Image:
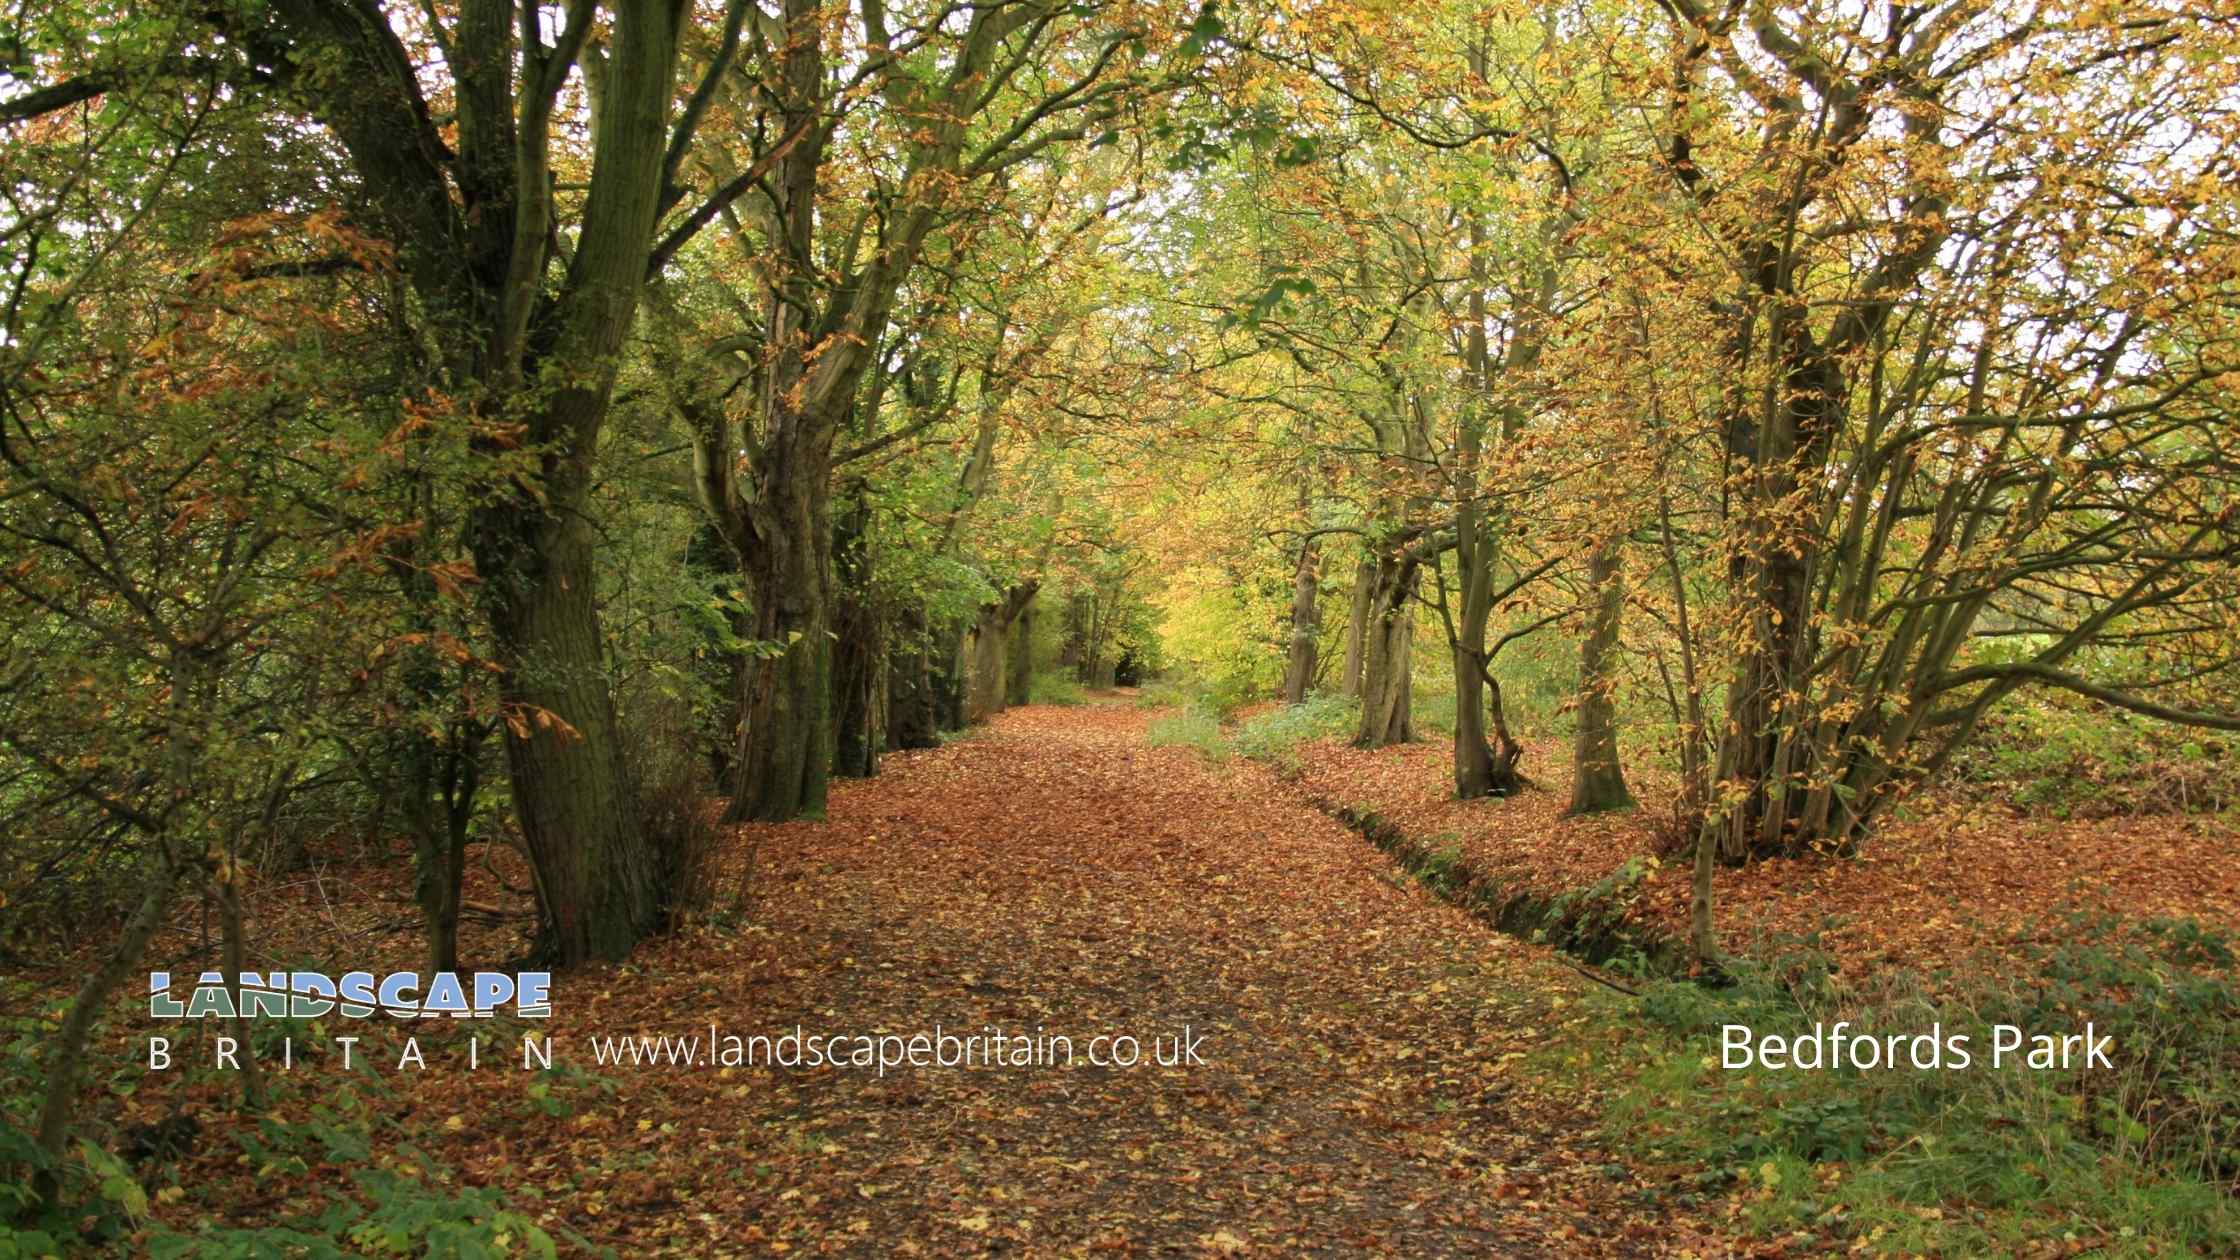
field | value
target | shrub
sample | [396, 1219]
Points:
[677, 810]
[1056, 688]
[677, 817]
[1160, 695]
[2073, 759]
[1275, 736]
[1191, 728]
[1432, 710]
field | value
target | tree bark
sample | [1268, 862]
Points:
[987, 644]
[786, 741]
[1306, 624]
[720, 667]
[1485, 753]
[1598, 781]
[913, 716]
[441, 781]
[473, 224]
[233, 935]
[1388, 631]
[1701, 939]
[571, 794]
[1019, 686]
[859, 679]
[951, 673]
[986, 671]
[1357, 621]
[859, 655]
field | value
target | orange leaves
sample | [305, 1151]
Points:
[453, 577]
[444, 645]
[368, 548]
[521, 719]
[257, 246]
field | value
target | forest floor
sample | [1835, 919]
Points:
[1954, 875]
[1374, 1075]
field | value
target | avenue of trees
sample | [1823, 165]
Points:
[468, 422]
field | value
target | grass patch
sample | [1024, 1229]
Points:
[1056, 688]
[2068, 761]
[1432, 712]
[2133, 1159]
[1275, 736]
[1191, 728]
[1160, 695]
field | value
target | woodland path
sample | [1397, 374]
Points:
[1364, 1089]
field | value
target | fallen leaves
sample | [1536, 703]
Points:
[1953, 878]
[1364, 1087]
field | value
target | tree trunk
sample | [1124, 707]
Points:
[859, 687]
[1388, 631]
[1306, 624]
[538, 352]
[1758, 750]
[912, 718]
[949, 673]
[1764, 748]
[1073, 648]
[984, 648]
[1598, 782]
[440, 781]
[571, 793]
[439, 868]
[1701, 939]
[859, 656]
[1357, 621]
[1485, 753]
[1019, 687]
[722, 670]
[1092, 640]
[987, 644]
[786, 742]
[234, 945]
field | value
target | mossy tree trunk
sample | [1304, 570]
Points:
[1485, 753]
[1388, 632]
[987, 644]
[1598, 782]
[859, 652]
[474, 221]
[1306, 622]
[912, 706]
[1357, 622]
[1019, 686]
[786, 739]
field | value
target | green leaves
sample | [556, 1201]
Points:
[1276, 297]
[1204, 31]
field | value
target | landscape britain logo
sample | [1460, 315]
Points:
[355, 995]
[310, 995]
